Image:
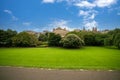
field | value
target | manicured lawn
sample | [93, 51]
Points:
[85, 58]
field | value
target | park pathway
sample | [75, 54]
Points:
[13, 73]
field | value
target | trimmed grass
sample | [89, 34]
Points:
[90, 58]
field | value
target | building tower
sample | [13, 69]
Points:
[83, 28]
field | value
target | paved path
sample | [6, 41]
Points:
[11, 73]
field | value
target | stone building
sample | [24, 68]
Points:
[33, 33]
[105, 31]
[94, 29]
[60, 31]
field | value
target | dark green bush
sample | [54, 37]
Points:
[117, 40]
[42, 37]
[6, 37]
[54, 39]
[24, 39]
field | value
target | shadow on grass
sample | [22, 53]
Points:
[111, 47]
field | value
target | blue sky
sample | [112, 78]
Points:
[39, 15]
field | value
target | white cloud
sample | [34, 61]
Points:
[88, 18]
[48, 1]
[87, 9]
[8, 11]
[60, 23]
[83, 13]
[96, 3]
[92, 16]
[90, 25]
[88, 14]
[11, 14]
[104, 3]
[85, 4]
[26, 23]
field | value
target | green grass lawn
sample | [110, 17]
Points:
[85, 58]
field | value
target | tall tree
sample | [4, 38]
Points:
[6, 37]
[54, 39]
[117, 40]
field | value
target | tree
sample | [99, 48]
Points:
[112, 38]
[72, 41]
[78, 33]
[25, 39]
[54, 39]
[108, 41]
[99, 39]
[43, 37]
[89, 39]
[117, 40]
[6, 37]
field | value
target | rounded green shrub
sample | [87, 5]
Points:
[72, 41]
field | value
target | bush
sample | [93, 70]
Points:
[24, 39]
[54, 39]
[72, 41]
[117, 40]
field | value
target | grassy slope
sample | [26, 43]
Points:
[85, 58]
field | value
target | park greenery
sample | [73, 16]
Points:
[76, 50]
[24, 39]
[74, 39]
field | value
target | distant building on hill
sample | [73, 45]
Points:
[84, 29]
[105, 31]
[94, 29]
[33, 33]
[77, 30]
[60, 31]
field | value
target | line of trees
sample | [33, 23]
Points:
[6, 37]
[10, 38]
[113, 38]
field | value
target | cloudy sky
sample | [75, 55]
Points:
[39, 15]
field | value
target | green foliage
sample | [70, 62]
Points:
[117, 40]
[108, 41]
[54, 39]
[113, 38]
[89, 40]
[24, 39]
[79, 33]
[43, 37]
[99, 39]
[72, 41]
[6, 37]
